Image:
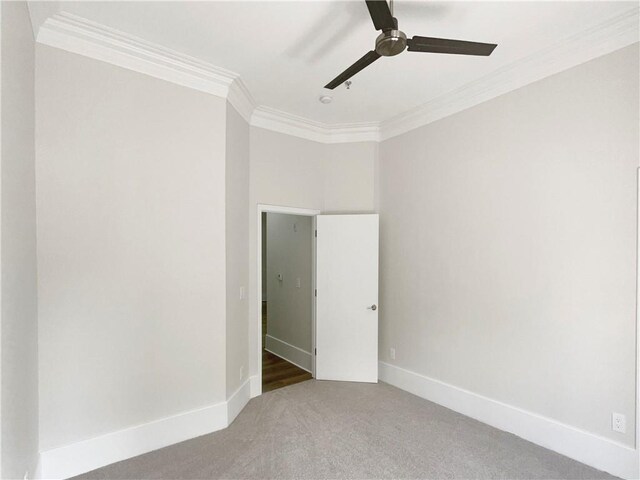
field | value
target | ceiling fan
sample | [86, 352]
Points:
[393, 41]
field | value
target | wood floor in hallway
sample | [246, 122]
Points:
[277, 372]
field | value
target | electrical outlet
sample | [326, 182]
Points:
[618, 422]
[297, 282]
[242, 295]
[241, 372]
[392, 353]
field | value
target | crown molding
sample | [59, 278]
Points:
[613, 34]
[85, 37]
[283, 122]
[240, 98]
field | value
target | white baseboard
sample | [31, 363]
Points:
[38, 472]
[237, 401]
[256, 386]
[292, 354]
[585, 447]
[82, 457]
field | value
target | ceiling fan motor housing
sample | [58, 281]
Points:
[390, 43]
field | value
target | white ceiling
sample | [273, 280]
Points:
[286, 51]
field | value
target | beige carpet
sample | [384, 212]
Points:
[317, 430]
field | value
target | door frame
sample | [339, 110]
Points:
[637, 362]
[305, 212]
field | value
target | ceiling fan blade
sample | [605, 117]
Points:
[442, 45]
[365, 61]
[381, 15]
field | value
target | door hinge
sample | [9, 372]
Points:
[316, 233]
[315, 351]
[315, 292]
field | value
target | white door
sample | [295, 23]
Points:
[347, 298]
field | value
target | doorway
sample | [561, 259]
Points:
[343, 291]
[287, 298]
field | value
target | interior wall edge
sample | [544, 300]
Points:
[238, 400]
[19, 272]
[255, 388]
[236, 247]
[1, 116]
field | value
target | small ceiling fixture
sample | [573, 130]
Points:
[325, 99]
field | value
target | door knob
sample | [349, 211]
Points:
[372, 307]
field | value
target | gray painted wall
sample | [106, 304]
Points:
[19, 328]
[131, 247]
[508, 246]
